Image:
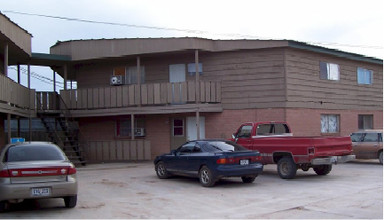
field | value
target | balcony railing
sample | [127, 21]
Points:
[142, 95]
[13, 94]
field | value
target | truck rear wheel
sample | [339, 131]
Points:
[286, 168]
[322, 169]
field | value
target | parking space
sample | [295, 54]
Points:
[132, 190]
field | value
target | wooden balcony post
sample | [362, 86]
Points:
[9, 127]
[5, 59]
[132, 127]
[54, 81]
[197, 94]
[138, 72]
[65, 76]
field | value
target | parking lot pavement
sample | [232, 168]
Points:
[132, 190]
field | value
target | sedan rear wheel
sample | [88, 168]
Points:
[206, 177]
[3, 206]
[70, 201]
[248, 179]
[161, 171]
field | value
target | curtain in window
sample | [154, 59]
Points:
[131, 75]
[329, 123]
[364, 76]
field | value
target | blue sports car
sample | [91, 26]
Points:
[210, 160]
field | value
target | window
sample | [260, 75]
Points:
[178, 127]
[330, 123]
[123, 127]
[131, 75]
[365, 122]
[192, 68]
[188, 148]
[271, 129]
[329, 71]
[364, 76]
[245, 131]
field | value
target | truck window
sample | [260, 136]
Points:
[270, 129]
[245, 131]
[281, 129]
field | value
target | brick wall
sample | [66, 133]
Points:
[223, 125]
[158, 132]
[306, 122]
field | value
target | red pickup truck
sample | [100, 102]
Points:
[276, 145]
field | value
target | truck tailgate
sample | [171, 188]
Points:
[332, 146]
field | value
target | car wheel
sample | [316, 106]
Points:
[381, 157]
[161, 170]
[286, 168]
[70, 201]
[248, 179]
[322, 169]
[206, 177]
[3, 206]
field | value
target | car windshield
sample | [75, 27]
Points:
[224, 146]
[33, 152]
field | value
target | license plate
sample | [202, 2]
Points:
[41, 191]
[244, 162]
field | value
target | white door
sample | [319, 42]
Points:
[192, 128]
[177, 73]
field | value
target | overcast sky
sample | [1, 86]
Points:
[348, 25]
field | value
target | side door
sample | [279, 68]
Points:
[195, 159]
[365, 145]
[180, 162]
[371, 145]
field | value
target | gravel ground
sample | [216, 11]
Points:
[132, 190]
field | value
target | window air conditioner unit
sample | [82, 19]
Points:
[116, 80]
[139, 132]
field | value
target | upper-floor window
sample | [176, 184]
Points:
[192, 68]
[330, 123]
[364, 76]
[329, 71]
[130, 74]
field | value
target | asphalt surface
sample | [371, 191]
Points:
[132, 190]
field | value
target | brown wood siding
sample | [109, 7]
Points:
[250, 79]
[306, 89]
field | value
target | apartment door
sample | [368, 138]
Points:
[192, 128]
[178, 134]
[177, 74]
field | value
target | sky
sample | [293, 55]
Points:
[349, 25]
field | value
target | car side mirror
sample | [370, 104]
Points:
[234, 135]
[173, 152]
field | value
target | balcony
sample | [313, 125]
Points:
[155, 98]
[15, 98]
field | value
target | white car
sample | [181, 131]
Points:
[35, 170]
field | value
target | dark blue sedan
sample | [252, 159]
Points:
[210, 160]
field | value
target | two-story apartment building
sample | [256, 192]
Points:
[137, 98]
[161, 87]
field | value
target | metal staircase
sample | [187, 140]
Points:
[62, 129]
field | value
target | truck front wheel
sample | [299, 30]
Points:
[322, 169]
[286, 168]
